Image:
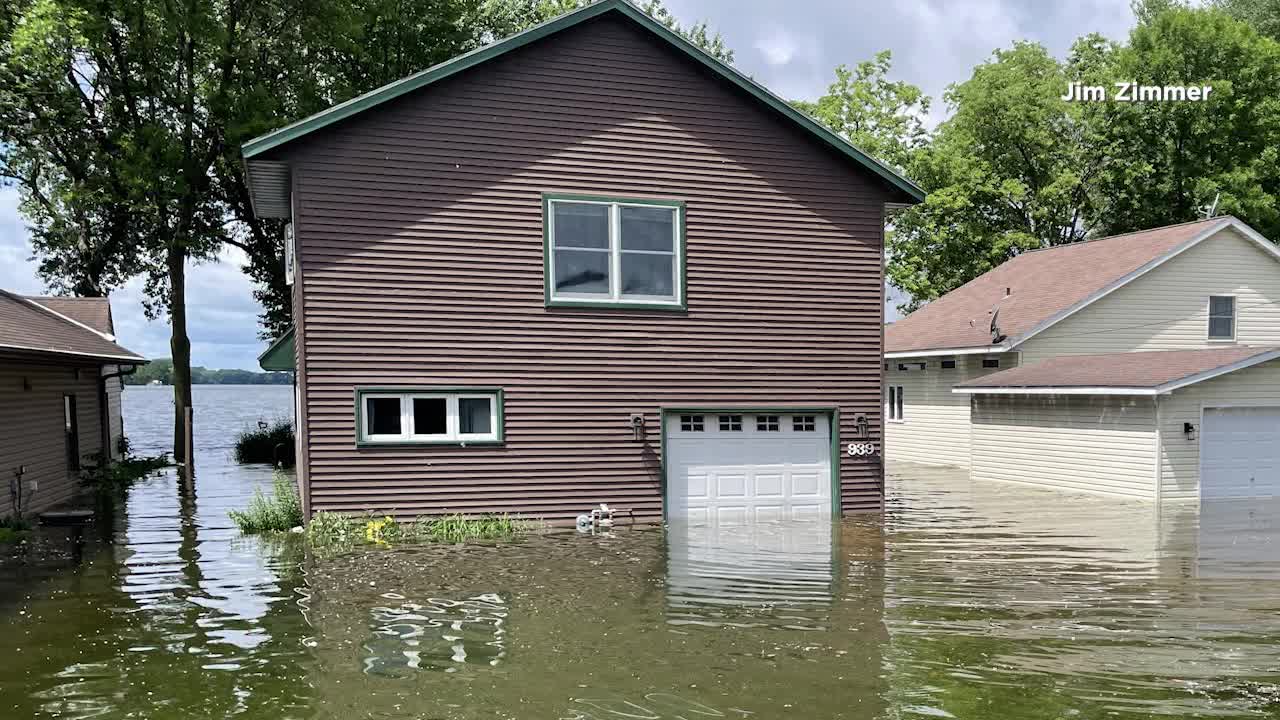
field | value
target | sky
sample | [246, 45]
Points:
[790, 46]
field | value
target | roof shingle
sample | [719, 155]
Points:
[24, 326]
[1132, 370]
[1033, 287]
[94, 312]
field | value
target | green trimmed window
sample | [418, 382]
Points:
[614, 252]
[400, 416]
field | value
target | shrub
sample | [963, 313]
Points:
[13, 529]
[272, 444]
[460, 528]
[281, 512]
[108, 477]
[333, 530]
[328, 529]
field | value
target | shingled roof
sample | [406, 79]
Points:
[94, 312]
[1038, 288]
[1136, 373]
[27, 326]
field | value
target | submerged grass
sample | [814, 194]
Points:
[279, 512]
[333, 530]
[272, 444]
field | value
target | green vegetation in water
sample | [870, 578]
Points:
[13, 529]
[110, 477]
[279, 512]
[273, 444]
[333, 530]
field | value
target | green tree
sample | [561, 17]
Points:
[1011, 170]
[884, 118]
[1263, 15]
[1174, 158]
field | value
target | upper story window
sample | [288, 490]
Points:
[428, 415]
[1222, 317]
[624, 253]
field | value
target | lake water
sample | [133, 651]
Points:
[966, 600]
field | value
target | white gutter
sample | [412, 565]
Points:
[1055, 391]
[988, 350]
[134, 359]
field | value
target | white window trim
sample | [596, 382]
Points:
[452, 434]
[1235, 319]
[615, 296]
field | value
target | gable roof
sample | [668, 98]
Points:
[271, 173]
[1130, 373]
[1035, 290]
[280, 355]
[27, 326]
[92, 312]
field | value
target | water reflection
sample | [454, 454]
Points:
[751, 574]
[437, 635]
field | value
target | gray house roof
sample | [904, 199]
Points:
[269, 180]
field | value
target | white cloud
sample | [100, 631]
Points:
[777, 46]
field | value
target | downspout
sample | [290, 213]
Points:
[105, 407]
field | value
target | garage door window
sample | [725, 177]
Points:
[804, 423]
[730, 423]
[691, 423]
[767, 423]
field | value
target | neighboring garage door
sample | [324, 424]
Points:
[733, 467]
[1240, 452]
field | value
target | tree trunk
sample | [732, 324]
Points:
[180, 345]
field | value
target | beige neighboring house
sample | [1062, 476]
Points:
[60, 386]
[1145, 365]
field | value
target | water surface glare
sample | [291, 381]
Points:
[966, 600]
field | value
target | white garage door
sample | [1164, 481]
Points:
[729, 468]
[1240, 452]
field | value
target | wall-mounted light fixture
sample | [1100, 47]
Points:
[1189, 429]
[861, 422]
[637, 425]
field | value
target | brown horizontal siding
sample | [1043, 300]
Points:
[421, 255]
[31, 425]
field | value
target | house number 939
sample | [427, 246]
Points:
[860, 449]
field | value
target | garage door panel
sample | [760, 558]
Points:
[750, 474]
[1240, 452]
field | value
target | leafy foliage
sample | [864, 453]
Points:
[108, 477]
[274, 444]
[884, 118]
[279, 512]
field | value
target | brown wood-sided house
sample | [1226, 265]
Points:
[59, 396]
[588, 263]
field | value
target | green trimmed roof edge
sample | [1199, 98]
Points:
[279, 356]
[390, 91]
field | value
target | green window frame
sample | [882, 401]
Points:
[409, 401]
[616, 254]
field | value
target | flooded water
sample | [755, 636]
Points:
[965, 600]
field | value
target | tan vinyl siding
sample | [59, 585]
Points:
[1180, 456]
[419, 231]
[31, 423]
[936, 427]
[1103, 444]
[1166, 309]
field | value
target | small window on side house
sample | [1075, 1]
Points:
[894, 403]
[948, 364]
[1222, 317]
[424, 416]
[990, 362]
[71, 427]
